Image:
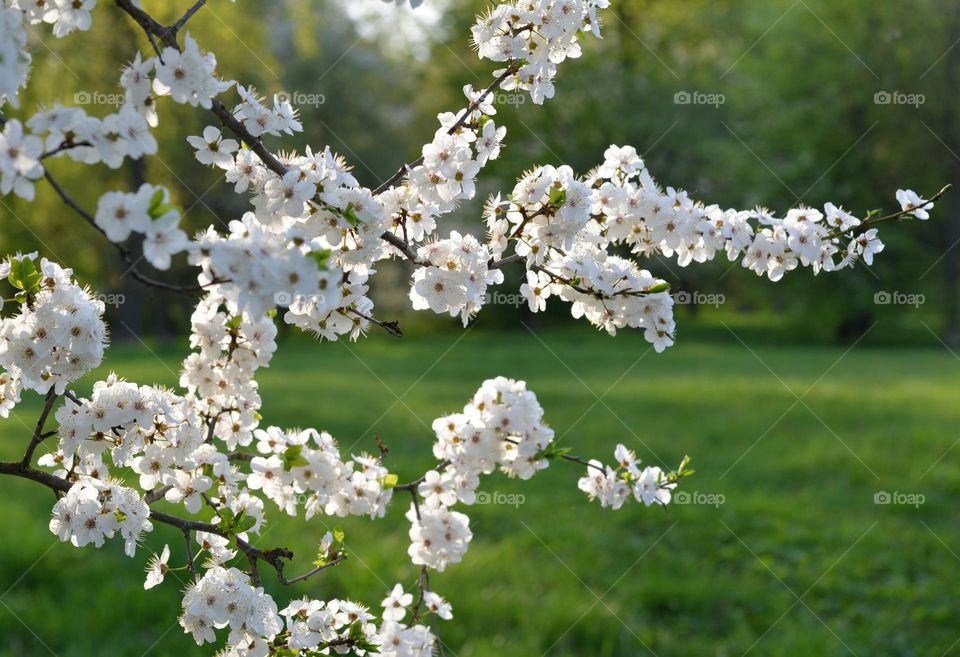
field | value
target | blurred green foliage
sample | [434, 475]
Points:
[798, 123]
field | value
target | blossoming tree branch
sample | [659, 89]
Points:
[308, 246]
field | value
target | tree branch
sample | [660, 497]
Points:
[186, 16]
[402, 171]
[167, 36]
[38, 434]
[121, 249]
[274, 557]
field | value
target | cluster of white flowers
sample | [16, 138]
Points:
[399, 640]
[257, 269]
[93, 511]
[308, 246]
[613, 486]
[307, 465]
[230, 346]
[447, 174]
[632, 209]
[501, 426]
[19, 160]
[64, 15]
[533, 39]
[540, 34]
[187, 75]
[57, 336]
[563, 226]
[438, 536]
[72, 132]
[315, 625]
[147, 212]
[553, 207]
[259, 119]
[14, 58]
[454, 278]
[148, 429]
[613, 292]
[224, 597]
[350, 316]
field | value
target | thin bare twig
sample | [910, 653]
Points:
[470, 109]
[122, 250]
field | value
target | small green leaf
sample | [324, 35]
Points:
[322, 257]
[552, 451]
[351, 216]
[24, 274]
[156, 200]
[244, 522]
[292, 457]
[659, 287]
[157, 206]
[558, 196]
[228, 520]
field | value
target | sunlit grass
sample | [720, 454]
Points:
[796, 440]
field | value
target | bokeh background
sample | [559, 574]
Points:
[821, 413]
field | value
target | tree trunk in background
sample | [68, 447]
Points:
[951, 264]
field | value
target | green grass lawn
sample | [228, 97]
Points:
[797, 560]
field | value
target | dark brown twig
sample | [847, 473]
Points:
[38, 434]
